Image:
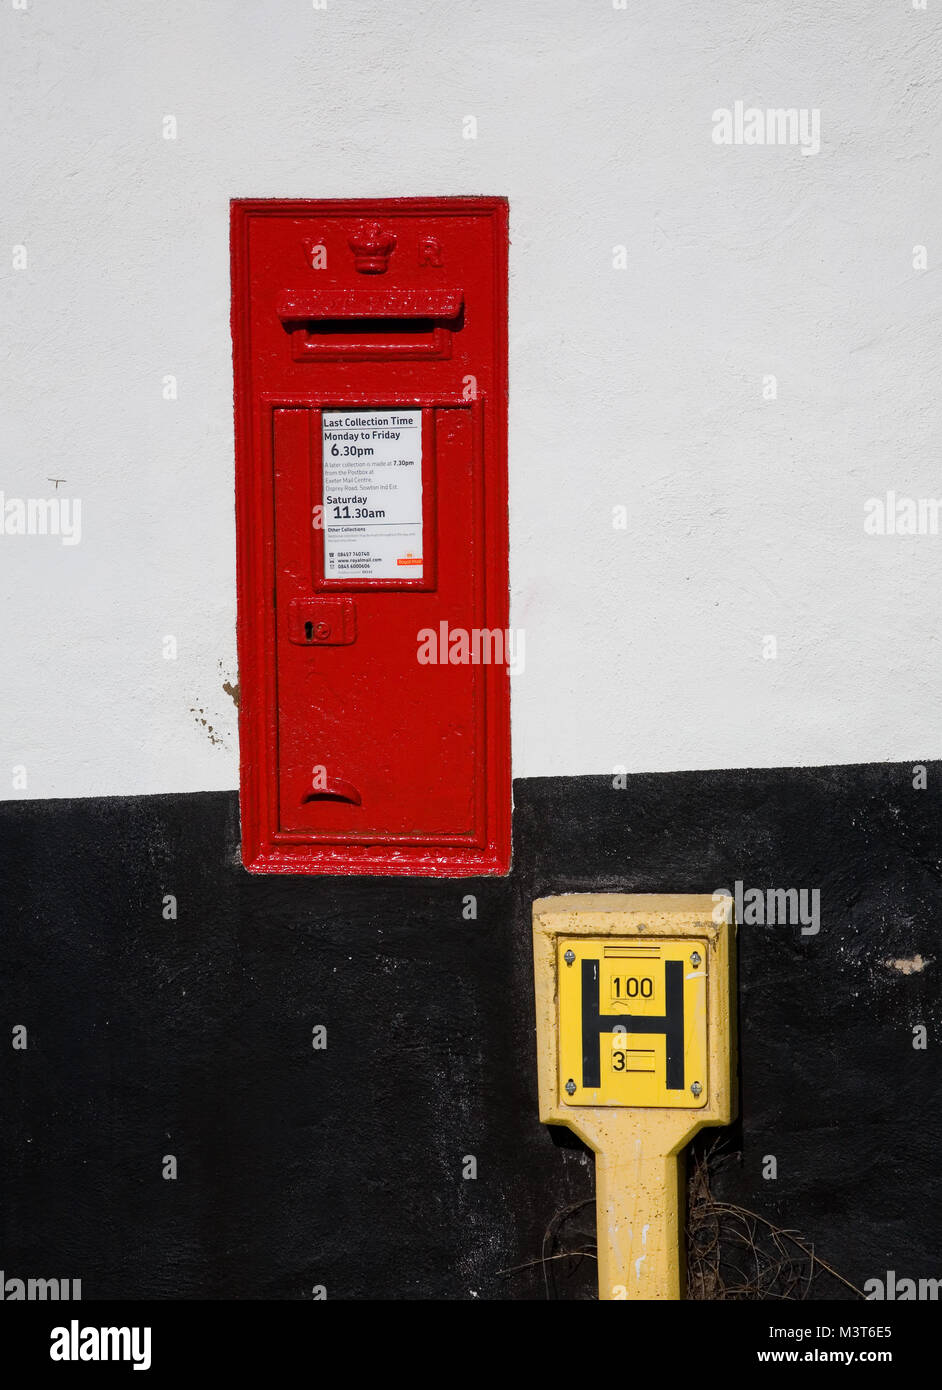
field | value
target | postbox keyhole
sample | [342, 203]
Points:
[309, 631]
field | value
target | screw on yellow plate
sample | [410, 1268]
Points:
[635, 1050]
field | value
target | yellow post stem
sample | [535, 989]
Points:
[639, 1200]
[637, 1203]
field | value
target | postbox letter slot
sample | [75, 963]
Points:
[363, 324]
[381, 329]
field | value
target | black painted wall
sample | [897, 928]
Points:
[343, 1167]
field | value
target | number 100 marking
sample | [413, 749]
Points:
[633, 987]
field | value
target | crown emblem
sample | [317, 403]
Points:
[371, 248]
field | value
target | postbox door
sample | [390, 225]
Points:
[379, 732]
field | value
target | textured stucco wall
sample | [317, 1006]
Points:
[344, 1166]
[639, 387]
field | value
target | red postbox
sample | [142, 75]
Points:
[370, 352]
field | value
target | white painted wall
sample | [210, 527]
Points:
[640, 386]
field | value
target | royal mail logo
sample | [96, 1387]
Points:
[409, 560]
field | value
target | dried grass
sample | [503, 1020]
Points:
[732, 1252]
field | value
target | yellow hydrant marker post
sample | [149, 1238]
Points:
[635, 1048]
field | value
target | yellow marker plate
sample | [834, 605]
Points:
[633, 1021]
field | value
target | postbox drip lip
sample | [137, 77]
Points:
[314, 305]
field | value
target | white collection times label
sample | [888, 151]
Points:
[372, 494]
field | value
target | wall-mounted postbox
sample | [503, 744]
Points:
[370, 343]
[634, 1020]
